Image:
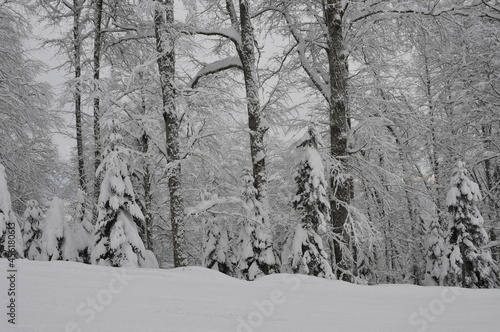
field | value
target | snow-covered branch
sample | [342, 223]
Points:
[229, 33]
[301, 50]
[208, 204]
[215, 67]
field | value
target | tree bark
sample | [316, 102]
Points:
[338, 72]
[256, 123]
[164, 20]
[77, 49]
[97, 111]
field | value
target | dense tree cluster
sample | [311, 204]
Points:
[186, 116]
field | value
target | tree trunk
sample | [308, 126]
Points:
[164, 20]
[77, 49]
[256, 123]
[147, 176]
[97, 111]
[338, 71]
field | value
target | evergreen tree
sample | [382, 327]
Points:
[32, 230]
[306, 254]
[9, 228]
[83, 228]
[255, 254]
[117, 241]
[436, 263]
[364, 264]
[469, 264]
[217, 253]
[57, 237]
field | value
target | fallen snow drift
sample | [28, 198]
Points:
[66, 296]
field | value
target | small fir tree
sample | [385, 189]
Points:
[305, 250]
[469, 265]
[217, 253]
[436, 262]
[364, 265]
[11, 241]
[57, 237]
[255, 255]
[32, 230]
[117, 241]
[83, 228]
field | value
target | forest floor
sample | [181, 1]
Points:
[66, 296]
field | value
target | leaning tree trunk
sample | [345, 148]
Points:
[338, 71]
[77, 50]
[164, 20]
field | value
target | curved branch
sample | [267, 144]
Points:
[215, 67]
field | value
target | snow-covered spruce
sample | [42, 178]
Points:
[57, 236]
[304, 251]
[365, 263]
[469, 265]
[9, 228]
[217, 252]
[32, 230]
[255, 255]
[117, 241]
[436, 262]
[83, 228]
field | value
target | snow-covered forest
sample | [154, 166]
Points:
[343, 139]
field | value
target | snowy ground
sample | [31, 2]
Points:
[65, 296]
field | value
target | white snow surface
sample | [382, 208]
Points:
[54, 296]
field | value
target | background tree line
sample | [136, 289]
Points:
[188, 132]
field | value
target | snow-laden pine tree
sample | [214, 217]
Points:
[304, 251]
[436, 261]
[217, 252]
[32, 230]
[11, 241]
[255, 254]
[57, 236]
[117, 241]
[83, 228]
[470, 266]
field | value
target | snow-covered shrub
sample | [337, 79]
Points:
[217, 253]
[57, 236]
[83, 228]
[32, 230]
[9, 228]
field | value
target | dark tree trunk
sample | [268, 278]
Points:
[164, 33]
[338, 71]
[147, 178]
[256, 123]
[97, 111]
[77, 49]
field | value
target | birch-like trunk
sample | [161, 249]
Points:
[164, 20]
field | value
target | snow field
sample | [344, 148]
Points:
[67, 296]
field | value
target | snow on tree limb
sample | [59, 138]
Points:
[215, 67]
[230, 33]
[208, 204]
